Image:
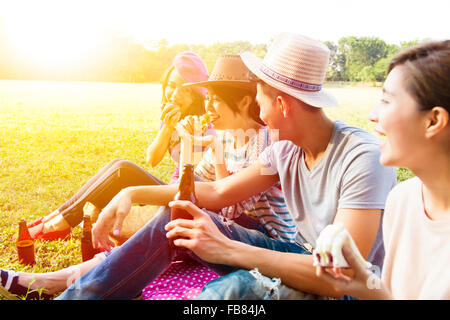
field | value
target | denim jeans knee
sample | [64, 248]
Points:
[251, 285]
[239, 285]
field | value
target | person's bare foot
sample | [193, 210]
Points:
[20, 284]
[42, 281]
[35, 230]
[39, 227]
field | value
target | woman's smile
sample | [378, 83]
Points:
[382, 135]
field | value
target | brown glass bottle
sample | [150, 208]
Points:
[87, 249]
[186, 191]
[25, 244]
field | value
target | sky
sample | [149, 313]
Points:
[209, 21]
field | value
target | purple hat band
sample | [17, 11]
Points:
[290, 82]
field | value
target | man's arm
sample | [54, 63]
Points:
[295, 270]
[212, 195]
[235, 188]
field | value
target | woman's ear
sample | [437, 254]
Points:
[437, 121]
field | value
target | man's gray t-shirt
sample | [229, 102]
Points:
[348, 176]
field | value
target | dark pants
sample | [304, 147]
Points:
[100, 189]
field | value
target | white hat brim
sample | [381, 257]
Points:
[319, 99]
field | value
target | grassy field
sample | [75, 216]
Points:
[55, 135]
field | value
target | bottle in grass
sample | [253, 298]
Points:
[25, 244]
[186, 191]
[87, 249]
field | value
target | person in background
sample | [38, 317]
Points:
[413, 116]
[177, 103]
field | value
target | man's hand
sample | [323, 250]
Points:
[111, 218]
[199, 235]
[363, 284]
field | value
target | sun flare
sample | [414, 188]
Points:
[50, 40]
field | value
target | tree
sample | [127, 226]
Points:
[360, 53]
[120, 58]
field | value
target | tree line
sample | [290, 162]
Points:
[119, 58]
[361, 59]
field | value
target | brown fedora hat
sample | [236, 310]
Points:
[229, 70]
[296, 65]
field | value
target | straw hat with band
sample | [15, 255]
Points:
[229, 70]
[295, 65]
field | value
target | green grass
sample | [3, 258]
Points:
[54, 136]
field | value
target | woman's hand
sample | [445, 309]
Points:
[188, 124]
[199, 235]
[179, 104]
[111, 218]
[194, 142]
[363, 284]
[171, 114]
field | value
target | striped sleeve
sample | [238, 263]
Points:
[206, 167]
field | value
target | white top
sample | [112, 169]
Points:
[417, 260]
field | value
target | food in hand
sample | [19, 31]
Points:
[195, 125]
[328, 251]
[170, 113]
[205, 121]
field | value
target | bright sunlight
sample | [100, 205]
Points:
[51, 42]
[49, 38]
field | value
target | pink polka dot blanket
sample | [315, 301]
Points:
[182, 280]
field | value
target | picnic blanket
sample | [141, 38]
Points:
[182, 280]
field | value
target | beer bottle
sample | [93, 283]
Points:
[25, 244]
[87, 249]
[186, 191]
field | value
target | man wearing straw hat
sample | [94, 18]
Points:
[329, 172]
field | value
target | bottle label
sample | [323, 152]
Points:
[25, 251]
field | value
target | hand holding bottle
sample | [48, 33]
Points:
[199, 234]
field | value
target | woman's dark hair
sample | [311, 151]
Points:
[164, 81]
[197, 106]
[232, 95]
[427, 76]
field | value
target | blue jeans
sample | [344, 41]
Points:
[251, 285]
[130, 267]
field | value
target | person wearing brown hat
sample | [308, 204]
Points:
[329, 172]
